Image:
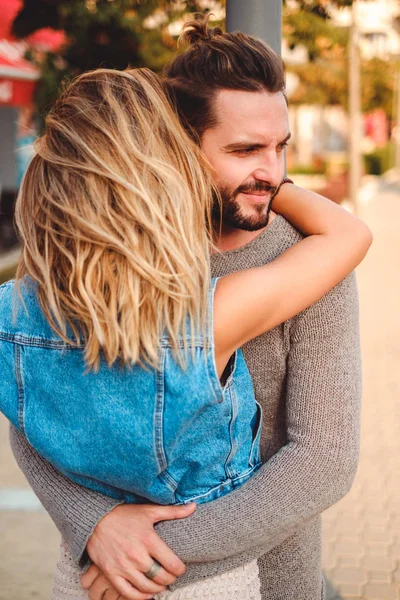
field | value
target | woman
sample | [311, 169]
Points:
[124, 349]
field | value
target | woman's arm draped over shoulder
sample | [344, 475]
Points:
[258, 299]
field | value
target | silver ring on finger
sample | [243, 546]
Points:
[152, 572]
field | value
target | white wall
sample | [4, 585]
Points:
[317, 131]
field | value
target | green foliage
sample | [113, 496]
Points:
[121, 33]
[35, 15]
[320, 7]
[53, 71]
[317, 169]
[313, 30]
[100, 33]
[322, 83]
[380, 160]
[324, 80]
[68, 14]
[377, 85]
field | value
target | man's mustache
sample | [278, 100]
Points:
[258, 186]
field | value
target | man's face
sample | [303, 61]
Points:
[245, 149]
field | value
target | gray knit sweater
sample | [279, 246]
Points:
[307, 377]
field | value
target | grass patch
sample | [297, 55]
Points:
[380, 160]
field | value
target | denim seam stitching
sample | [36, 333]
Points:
[20, 386]
[254, 449]
[170, 482]
[26, 340]
[23, 340]
[233, 443]
[197, 342]
[231, 481]
[212, 375]
[158, 416]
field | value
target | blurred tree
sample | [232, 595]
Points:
[323, 79]
[118, 33]
[378, 83]
[108, 33]
[308, 24]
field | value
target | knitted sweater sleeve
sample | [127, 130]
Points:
[317, 465]
[312, 471]
[75, 510]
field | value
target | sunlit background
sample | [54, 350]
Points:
[343, 85]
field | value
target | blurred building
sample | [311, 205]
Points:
[18, 79]
[378, 24]
[320, 133]
[17, 82]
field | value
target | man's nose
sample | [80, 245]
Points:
[270, 172]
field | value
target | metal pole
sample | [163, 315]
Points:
[259, 18]
[397, 120]
[354, 112]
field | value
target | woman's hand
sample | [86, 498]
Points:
[124, 546]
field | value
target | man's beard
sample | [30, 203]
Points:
[231, 212]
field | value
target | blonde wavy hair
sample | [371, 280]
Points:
[115, 218]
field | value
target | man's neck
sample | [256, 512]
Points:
[231, 239]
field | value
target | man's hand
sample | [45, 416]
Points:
[99, 588]
[124, 546]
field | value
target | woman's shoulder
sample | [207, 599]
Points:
[21, 316]
[7, 287]
[7, 293]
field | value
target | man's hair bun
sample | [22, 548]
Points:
[197, 30]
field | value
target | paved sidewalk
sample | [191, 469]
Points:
[362, 532]
[29, 540]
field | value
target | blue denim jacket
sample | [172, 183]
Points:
[167, 436]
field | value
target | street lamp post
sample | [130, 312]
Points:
[396, 118]
[354, 111]
[260, 18]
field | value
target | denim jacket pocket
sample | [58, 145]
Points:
[255, 455]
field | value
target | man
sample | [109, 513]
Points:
[229, 89]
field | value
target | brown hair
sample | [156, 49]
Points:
[213, 61]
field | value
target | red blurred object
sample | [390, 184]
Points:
[377, 127]
[46, 39]
[17, 75]
[9, 10]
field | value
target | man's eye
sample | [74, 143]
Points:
[282, 146]
[245, 151]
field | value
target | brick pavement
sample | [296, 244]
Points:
[29, 541]
[362, 532]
